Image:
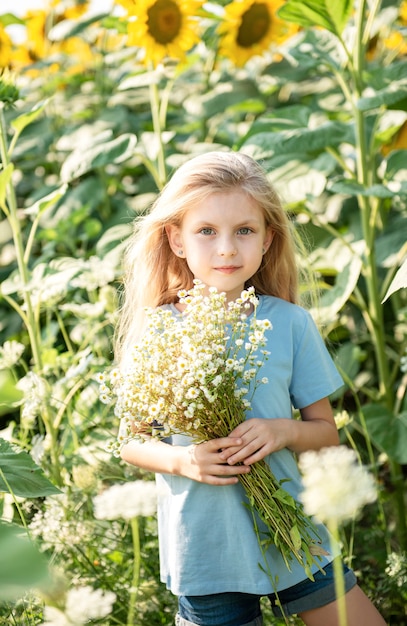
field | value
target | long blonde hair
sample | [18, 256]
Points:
[154, 274]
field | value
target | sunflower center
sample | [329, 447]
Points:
[254, 26]
[164, 21]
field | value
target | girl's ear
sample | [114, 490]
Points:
[268, 239]
[174, 238]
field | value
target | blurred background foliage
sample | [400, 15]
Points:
[96, 111]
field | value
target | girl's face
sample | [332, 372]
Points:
[223, 239]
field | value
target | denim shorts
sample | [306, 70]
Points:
[243, 609]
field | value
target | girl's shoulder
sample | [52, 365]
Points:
[277, 306]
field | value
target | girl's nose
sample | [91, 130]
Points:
[227, 248]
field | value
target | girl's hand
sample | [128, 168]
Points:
[259, 438]
[204, 462]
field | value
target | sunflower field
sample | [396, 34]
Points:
[97, 109]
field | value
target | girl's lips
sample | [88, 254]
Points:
[227, 269]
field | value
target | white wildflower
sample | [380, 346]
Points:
[82, 605]
[127, 500]
[10, 353]
[342, 419]
[86, 603]
[397, 568]
[336, 486]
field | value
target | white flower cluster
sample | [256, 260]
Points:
[397, 569]
[336, 486]
[10, 353]
[55, 530]
[185, 365]
[82, 605]
[126, 501]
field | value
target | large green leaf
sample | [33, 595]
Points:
[85, 159]
[20, 475]
[387, 431]
[22, 566]
[330, 14]
[264, 145]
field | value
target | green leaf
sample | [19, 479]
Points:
[348, 267]
[393, 94]
[330, 14]
[295, 537]
[353, 188]
[398, 282]
[387, 431]
[298, 141]
[72, 28]
[99, 155]
[47, 201]
[22, 476]
[10, 396]
[22, 566]
[5, 177]
[20, 122]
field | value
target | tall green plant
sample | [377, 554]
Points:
[370, 92]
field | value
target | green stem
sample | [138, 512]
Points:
[338, 577]
[11, 492]
[29, 318]
[369, 218]
[136, 572]
[158, 128]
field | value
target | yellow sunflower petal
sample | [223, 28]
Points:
[5, 48]
[250, 27]
[164, 28]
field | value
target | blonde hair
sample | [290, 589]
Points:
[154, 274]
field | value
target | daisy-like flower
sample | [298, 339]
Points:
[210, 368]
[164, 28]
[250, 27]
[127, 501]
[336, 486]
[82, 605]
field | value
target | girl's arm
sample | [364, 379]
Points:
[202, 462]
[260, 437]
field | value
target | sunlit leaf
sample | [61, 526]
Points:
[9, 394]
[330, 14]
[47, 201]
[20, 122]
[21, 475]
[304, 140]
[100, 155]
[398, 282]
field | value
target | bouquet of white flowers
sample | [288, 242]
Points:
[192, 373]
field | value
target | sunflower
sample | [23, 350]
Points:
[164, 28]
[5, 48]
[250, 27]
[71, 9]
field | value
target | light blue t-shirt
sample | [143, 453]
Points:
[207, 540]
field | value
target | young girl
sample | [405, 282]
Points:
[220, 221]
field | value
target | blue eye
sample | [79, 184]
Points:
[245, 230]
[206, 231]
